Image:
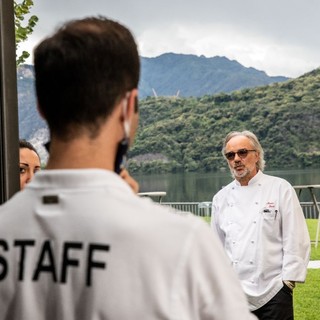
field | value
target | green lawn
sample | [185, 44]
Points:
[312, 227]
[307, 295]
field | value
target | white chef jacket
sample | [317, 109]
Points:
[79, 244]
[263, 230]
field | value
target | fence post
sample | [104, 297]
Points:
[9, 132]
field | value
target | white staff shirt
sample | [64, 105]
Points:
[79, 244]
[263, 230]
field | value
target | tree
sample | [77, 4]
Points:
[23, 30]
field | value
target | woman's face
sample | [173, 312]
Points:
[29, 165]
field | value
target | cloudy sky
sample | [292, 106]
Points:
[280, 37]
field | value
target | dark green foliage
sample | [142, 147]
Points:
[188, 132]
[23, 29]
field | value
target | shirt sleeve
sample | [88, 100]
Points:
[295, 235]
[215, 212]
[216, 291]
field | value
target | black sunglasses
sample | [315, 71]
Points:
[242, 153]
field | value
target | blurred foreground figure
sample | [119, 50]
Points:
[78, 243]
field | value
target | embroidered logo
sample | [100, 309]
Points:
[270, 204]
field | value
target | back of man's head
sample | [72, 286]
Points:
[82, 71]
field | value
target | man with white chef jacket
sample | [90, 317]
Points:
[261, 225]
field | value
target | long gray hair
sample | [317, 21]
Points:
[255, 143]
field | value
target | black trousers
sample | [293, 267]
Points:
[280, 307]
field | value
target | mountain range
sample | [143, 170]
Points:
[166, 75]
[185, 75]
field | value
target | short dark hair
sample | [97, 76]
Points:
[27, 145]
[82, 72]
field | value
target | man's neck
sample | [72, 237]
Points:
[81, 153]
[244, 181]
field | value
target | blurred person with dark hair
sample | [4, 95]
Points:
[30, 162]
[77, 242]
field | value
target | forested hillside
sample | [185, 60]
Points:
[165, 75]
[185, 134]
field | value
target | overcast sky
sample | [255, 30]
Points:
[280, 37]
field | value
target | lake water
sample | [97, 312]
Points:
[198, 187]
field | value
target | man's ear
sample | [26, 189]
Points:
[130, 114]
[257, 156]
[131, 104]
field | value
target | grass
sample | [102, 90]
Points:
[306, 295]
[312, 227]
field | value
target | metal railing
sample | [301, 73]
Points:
[197, 208]
[203, 209]
[309, 210]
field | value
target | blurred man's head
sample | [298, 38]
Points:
[82, 72]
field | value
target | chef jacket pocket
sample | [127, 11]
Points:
[269, 213]
[271, 224]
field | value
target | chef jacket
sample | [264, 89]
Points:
[263, 230]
